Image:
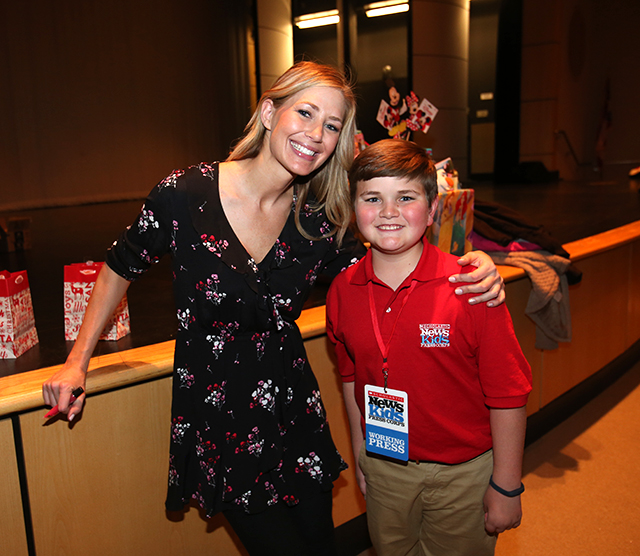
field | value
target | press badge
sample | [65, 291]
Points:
[387, 422]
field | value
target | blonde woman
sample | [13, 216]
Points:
[248, 238]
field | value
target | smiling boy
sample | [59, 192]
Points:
[435, 388]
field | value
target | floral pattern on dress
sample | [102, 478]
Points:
[248, 428]
[312, 465]
[210, 288]
[178, 429]
[314, 404]
[244, 499]
[216, 395]
[147, 220]
[185, 318]
[171, 180]
[264, 395]
[214, 246]
[253, 443]
[261, 344]
[273, 494]
[224, 335]
[173, 473]
[203, 446]
[282, 251]
[187, 380]
[208, 170]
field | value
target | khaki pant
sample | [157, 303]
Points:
[428, 509]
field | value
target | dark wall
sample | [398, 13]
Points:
[99, 100]
[377, 42]
[483, 46]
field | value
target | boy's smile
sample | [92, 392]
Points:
[393, 215]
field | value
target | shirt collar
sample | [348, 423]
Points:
[429, 267]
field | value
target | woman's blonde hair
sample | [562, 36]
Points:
[328, 184]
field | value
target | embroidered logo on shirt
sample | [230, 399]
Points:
[434, 335]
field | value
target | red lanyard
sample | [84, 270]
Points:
[384, 347]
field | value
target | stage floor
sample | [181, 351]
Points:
[60, 236]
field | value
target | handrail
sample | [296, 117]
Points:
[22, 392]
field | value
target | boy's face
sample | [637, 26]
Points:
[393, 214]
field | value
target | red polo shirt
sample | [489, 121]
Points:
[455, 360]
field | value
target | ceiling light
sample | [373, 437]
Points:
[386, 8]
[330, 17]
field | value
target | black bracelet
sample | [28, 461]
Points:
[510, 493]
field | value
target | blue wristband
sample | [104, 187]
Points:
[510, 493]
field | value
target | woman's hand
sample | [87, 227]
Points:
[107, 293]
[486, 281]
[57, 390]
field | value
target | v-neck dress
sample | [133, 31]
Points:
[248, 428]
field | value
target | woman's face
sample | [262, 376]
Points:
[303, 132]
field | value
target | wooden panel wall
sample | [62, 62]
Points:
[599, 319]
[101, 100]
[569, 50]
[347, 499]
[517, 297]
[13, 540]
[101, 483]
[633, 324]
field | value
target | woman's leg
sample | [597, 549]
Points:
[305, 529]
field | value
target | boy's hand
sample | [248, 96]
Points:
[362, 483]
[501, 512]
[487, 281]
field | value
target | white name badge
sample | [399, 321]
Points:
[387, 422]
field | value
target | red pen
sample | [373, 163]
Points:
[74, 396]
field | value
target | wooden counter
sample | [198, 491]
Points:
[99, 484]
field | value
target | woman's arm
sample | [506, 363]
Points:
[107, 293]
[508, 431]
[357, 438]
[487, 281]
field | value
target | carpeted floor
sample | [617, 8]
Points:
[582, 482]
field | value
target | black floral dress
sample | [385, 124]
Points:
[248, 425]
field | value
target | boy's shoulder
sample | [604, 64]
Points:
[342, 285]
[443, 264]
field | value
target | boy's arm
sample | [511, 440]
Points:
[508, 431]
[357, 438]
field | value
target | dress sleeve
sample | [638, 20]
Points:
[150, 236]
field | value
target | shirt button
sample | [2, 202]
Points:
[388, 309]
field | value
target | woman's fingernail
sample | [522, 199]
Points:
[458, 291]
